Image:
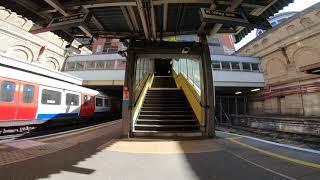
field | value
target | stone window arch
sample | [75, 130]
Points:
[52, 63]
[275, 67]
[21, 52]
[305, 56]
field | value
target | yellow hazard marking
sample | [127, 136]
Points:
[314, 165]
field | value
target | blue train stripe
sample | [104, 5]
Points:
[55, 116]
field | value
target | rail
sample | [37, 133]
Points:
[193, 97]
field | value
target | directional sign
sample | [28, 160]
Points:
[233, 18]
[68, 21]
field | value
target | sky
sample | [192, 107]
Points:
[297, 5]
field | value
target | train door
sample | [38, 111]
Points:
[92, 104]
[27, 101]
[8, 99]
[86, 107]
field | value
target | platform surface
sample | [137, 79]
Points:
[105, 156]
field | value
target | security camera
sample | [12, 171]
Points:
[185, 50]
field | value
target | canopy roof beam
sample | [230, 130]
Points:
[94, 4]
[126, 16]
[153, 21]
[232, 7]
[133, 18]
[143, 19]
[94, 20]
[59, 7]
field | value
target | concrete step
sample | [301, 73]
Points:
[171, 127]
[166, 108]
[164, 96]
[167, 134]
[166, 117]
[166, 113]
[165, 104]
[164, 100]
[166, 122]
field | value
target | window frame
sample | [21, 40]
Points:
[78, 99]
[85, 100]
[249, 66]
[215, 63]
[234, 69]
[224, 69]
[13, 88]
[106, 102]
[92, 100]
[97, 100]
[23, 94]
[46, 103]
[257, 70]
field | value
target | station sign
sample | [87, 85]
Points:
[69, 21]
[223, 17]
[232, 18]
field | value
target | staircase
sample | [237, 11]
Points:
[166, 113]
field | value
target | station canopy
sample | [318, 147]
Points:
[146, 19]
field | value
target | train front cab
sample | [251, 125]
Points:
[133, 95]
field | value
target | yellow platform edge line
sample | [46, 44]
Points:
[314, 165]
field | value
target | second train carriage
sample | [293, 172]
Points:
[33, 94]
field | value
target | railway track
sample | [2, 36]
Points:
[312, 141]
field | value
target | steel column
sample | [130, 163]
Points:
[129, 83]
[207, 93]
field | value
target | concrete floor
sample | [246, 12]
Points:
[225, 157]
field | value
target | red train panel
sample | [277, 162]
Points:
[27, 101]
[8, 99]
[87, 106]
[18, 100]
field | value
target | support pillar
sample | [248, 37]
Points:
[127, 104]
[207, 93]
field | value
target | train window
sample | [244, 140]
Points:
[98, 102]
[7, 91]
[72, 99]
[92, 100]
[51, 97]
[106, 102]
[85, 100]
[28, 94]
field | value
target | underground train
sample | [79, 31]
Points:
[32, 94]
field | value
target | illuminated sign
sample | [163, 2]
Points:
[68, 21]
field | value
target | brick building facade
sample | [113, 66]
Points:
[290, 60]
